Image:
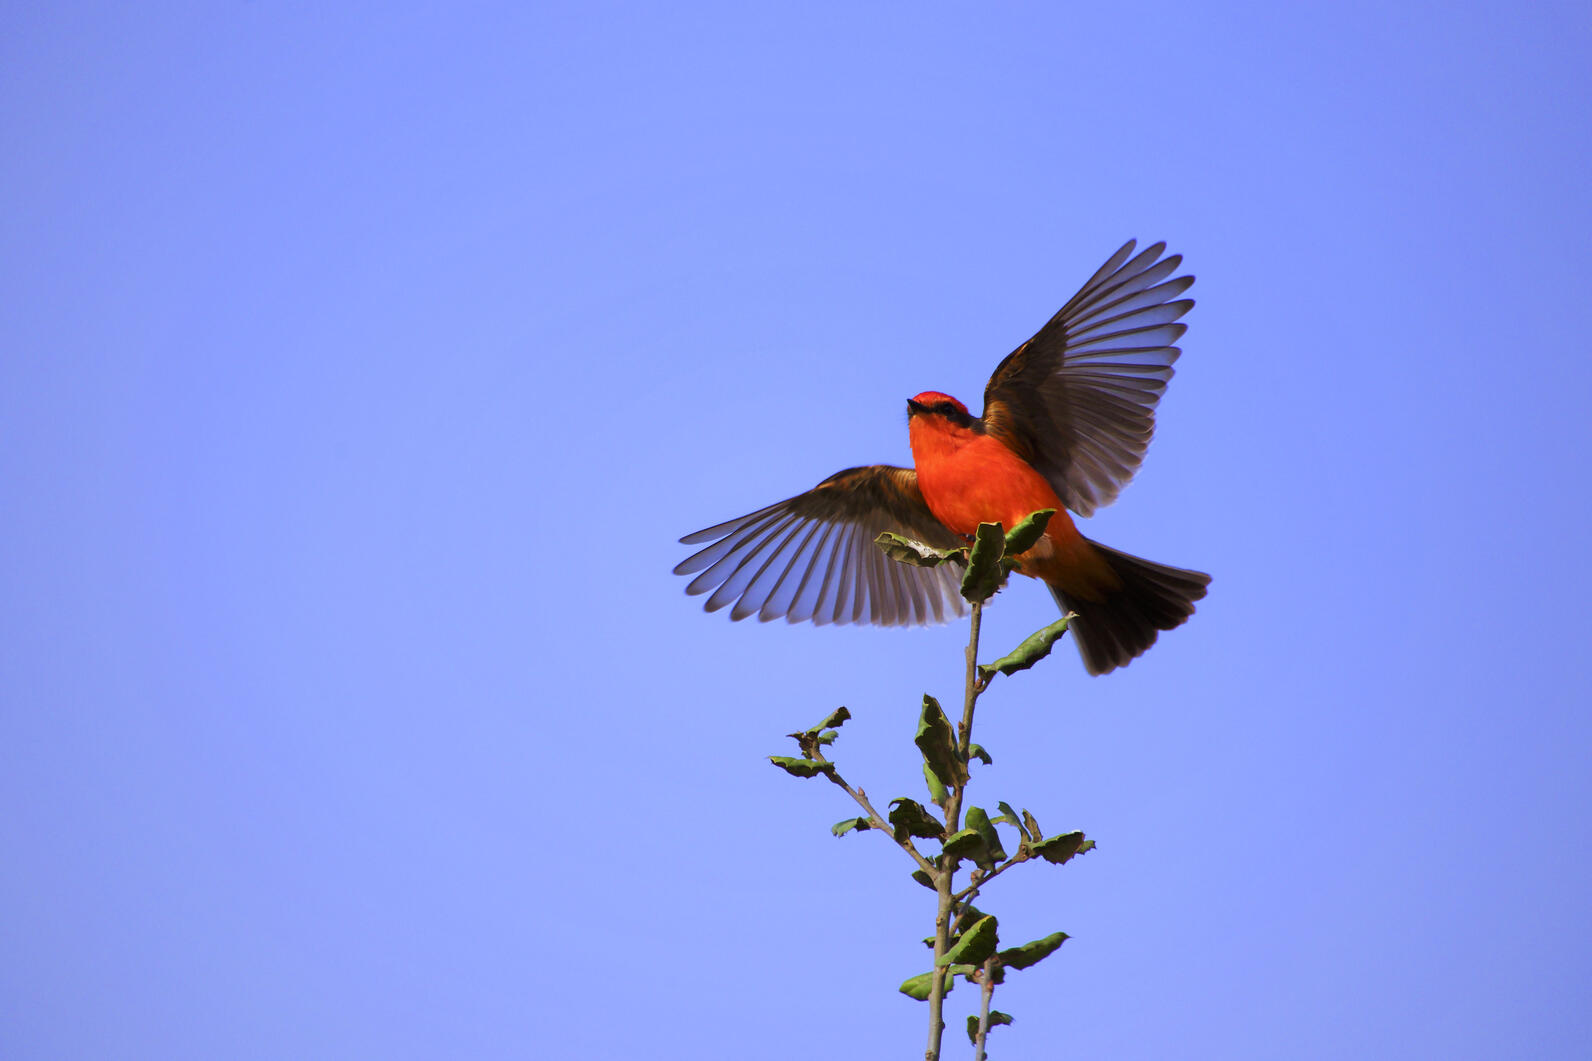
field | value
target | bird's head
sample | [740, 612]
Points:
[933, 404]
[938, 423]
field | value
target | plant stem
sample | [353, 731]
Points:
[986, 989]
[942, 943]
[944, 876]
[971, 688]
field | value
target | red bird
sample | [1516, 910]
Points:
[1067, 418]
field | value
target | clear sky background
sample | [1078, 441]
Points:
[360, 365]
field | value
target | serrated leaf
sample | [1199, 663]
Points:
[976, 751]
[834, 720]
[908, 817]
[937, 793]
[978, 820]
[1022, 537]
[976, 944]
[1035, 647]
[1061, 848]
[966, 843]
[916, 553]
[1033, 952]
[984, 575]
[859, 824]
[938, 745]
[801, 767]
[919, 986]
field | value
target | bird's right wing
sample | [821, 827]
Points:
[1077, 401]
[813, 556]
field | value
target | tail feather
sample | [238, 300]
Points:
[1154, 597]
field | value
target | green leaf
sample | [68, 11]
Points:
[1010, 817]
[809, 740]
[984, 575]
[937, 793]
[1034, 952]
[976, 944]
[834, 720]
[908, 551]
[935, 740]
[978, 819]
[919, 986]
[996, 1017]
[801, 767]
[859, 824]
[1022, 537]
[1035, 647]
[924, 879]
[976, 751]
[1061, 848]
[908, 817]
[928, 941]
[966, 843]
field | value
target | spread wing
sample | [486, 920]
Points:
[1078, 399]
[812, 556]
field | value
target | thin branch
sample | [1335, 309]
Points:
[877, 821]
[967, 893]
[973, 686]
[986, 989]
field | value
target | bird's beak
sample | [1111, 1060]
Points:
[914, 407]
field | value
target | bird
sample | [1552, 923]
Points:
[1067, 418]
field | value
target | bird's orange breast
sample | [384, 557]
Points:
[968, 478]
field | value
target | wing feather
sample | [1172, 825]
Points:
[780, 599]
[804, 602]
[1078, 399]
[812, 557]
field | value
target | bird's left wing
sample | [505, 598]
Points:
[812, 556]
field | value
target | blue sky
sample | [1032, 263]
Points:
[362, 365]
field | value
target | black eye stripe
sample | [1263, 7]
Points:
[948, 408]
